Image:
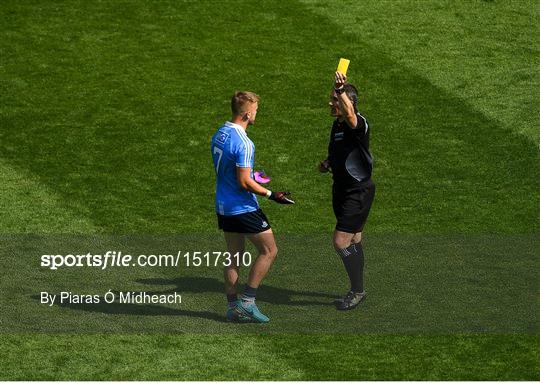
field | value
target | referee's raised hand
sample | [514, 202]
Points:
[339, 80]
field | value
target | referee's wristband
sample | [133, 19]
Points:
[268, 193]
[339, 90]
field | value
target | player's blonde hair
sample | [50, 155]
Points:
[240, 100]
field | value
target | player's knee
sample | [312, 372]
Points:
[272, 253]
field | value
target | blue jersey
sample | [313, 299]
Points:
[231, 148]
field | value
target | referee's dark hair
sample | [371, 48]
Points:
[352, 93]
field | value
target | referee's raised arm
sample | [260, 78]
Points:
[345, 103]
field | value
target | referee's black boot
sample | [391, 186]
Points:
[350, 301]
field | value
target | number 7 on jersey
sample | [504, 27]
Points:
[219, 152]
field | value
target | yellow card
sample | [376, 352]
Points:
[343, 66]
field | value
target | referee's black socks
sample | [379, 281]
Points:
[353, 259]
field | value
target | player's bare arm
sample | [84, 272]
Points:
[245, 181]
[345, 104]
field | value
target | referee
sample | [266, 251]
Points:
[353, 191]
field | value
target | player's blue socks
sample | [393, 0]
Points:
[250, 293]
[232, 300]
[248, 307]
[244, 309]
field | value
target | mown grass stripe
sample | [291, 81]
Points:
[129, 132]
[491, 66]
[284, 357]
[30, 207]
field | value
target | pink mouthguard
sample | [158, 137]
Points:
[261, 178]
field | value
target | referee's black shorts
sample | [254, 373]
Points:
[352, 204]
[248, 223]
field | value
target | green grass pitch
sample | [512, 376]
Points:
[106, 112]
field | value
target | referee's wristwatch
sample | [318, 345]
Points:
[339, 90]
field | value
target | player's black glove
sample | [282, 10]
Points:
[281, 197]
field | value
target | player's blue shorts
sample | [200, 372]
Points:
[247, 223]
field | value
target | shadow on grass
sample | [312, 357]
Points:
[116, 308]
[267, 293]
[271, 294]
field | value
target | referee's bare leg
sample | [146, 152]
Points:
[343, 240]
[357, 238]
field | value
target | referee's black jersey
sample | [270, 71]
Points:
[348, 153]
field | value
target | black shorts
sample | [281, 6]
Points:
[249, 223]
[351, 205]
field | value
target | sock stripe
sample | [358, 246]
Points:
[345, 252]
[249, 293]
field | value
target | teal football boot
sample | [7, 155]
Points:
[249, 309]
[234, 315]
